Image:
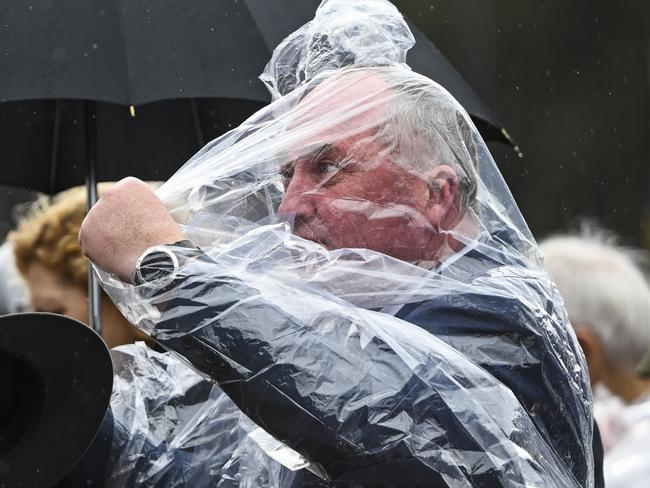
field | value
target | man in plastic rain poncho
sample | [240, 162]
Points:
[350, 270]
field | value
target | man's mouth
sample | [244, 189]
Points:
[312, 232]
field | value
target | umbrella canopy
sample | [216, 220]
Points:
[134, 52]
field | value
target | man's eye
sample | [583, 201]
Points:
[287, 173]
[327, 167]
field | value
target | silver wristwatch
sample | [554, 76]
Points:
[160, 264]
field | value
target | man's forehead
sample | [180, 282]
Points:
[350, 86]
[354, 96]
[342, 108]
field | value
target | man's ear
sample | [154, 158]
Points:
[593, 351]
[443, 196]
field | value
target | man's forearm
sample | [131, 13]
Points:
[348, 403]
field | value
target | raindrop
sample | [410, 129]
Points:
[95, 46]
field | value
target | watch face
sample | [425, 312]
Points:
[156, 265]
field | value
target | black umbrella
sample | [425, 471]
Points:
[134, 52]
[44, 141]
[80, 78]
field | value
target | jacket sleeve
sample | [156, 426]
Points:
[365, 397]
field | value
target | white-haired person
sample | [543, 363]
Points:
[14, 295]
[608, 301]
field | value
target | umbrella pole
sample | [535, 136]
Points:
[94, 290]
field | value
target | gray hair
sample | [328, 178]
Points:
[429, 128]
[603, 289]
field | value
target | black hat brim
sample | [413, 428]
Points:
[59, 389]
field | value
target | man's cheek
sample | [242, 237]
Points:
[345, 229]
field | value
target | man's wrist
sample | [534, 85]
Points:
[158, 266]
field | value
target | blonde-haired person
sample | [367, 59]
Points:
[49, 257]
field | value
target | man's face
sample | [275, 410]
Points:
[347, 189]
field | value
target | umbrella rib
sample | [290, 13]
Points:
[270, 44]
[54, 154]
[197, 122]
[128, 82]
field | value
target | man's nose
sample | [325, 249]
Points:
[298, 196]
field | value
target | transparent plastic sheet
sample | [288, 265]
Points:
[367, 292]
[175, 428]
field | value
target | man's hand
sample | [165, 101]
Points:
[127, 219]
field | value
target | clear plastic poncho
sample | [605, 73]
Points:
[367, 307]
